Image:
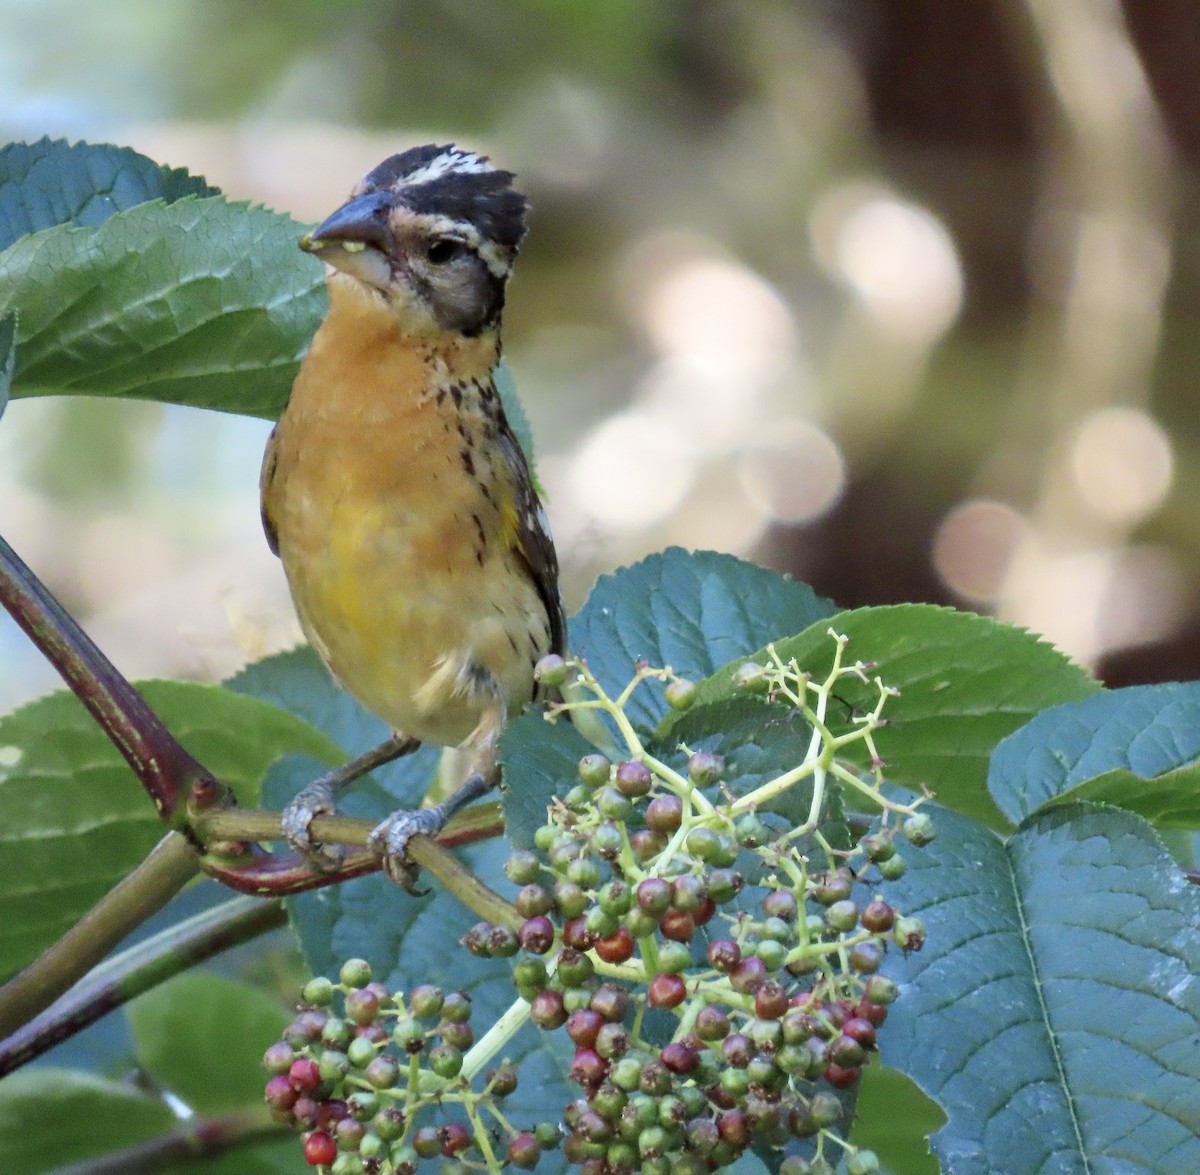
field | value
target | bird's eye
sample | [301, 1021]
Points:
[445, 249]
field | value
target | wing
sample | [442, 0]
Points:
[265, 481]
[532, 537]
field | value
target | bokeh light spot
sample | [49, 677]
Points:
[974, 546]
[1122, 464]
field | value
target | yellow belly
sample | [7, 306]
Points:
[408, 638]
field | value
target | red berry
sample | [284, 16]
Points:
[666, 991]
[861, 1030]
[664, 814]
[678, 925]
[839, 1077]
[319, 1149]
[770, 1001]
[610, 1001]
[617, 948]
[547, 1010]
[582, 1027]
[330, 1112]
[724, 954]
[279, 1094]
[679, 1057]
[536, 934]
[588, 1068]
[303, 1075]
[454, 1138]
[654, 895]
[577, 936]
[524, 1151]
[749, 975]
[704, 912]
[734, 1128]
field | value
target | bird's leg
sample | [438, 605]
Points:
[390, 839]
[317, 799]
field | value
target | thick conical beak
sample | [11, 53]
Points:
[356, 239]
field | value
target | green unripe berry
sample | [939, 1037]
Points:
[863, 1163]
[673, 957]
[919, 829]
[445, 1060]
[317, 991]
[825, 1109]
[681, 694]
[879, 846]
[615, 898]
[842, 916]
[361, 1052]
[551, 671]
[606, 842]
[333, 1065]
[407, 1032]
[570, 899]
[545, 837]
[594, 771]
[704, 844]
[355, 973]
[893, 868]
[772, 953]
[751, 832]
[613, 805]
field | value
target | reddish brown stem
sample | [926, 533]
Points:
[165, 769]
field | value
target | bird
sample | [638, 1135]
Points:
[394, 490]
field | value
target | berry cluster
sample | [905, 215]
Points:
[715, 969]
[358, 1066]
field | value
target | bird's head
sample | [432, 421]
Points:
[433, 232]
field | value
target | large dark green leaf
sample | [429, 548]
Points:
[75, 819]
[965, 682]
[1054, 1012]
[1136, 748]
[691, 611]
[54, 182]
[202, 1038]
[200, 302]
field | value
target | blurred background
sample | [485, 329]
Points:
[899, 296]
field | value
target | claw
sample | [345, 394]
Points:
[390, 840]
[316, 799]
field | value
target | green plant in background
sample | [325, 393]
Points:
[701, 921]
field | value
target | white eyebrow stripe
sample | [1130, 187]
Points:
[448, 163]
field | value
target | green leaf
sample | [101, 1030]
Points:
[691, 611]
[965, 682]
[51, 1117]
[895, 1119]
[539, 761]
[200, 302]
[1136, 748]
[1054, 1011]
[54, 182]
[202, 1037]
[75, 819]
[8, 356]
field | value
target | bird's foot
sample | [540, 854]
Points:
[311, 801]
[390, 840]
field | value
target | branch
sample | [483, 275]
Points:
[170, 866]
[138, 969]
[198, 1139]
[165, 769]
